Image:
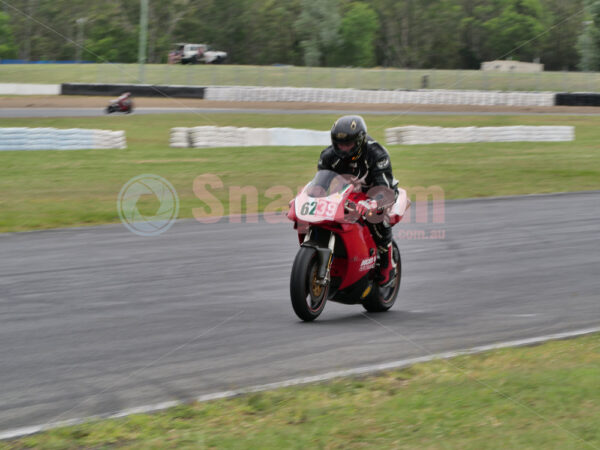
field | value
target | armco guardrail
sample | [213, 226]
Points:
[410, 135]
[429, 97]
[60, 139]
[211, 136]
[137, 90]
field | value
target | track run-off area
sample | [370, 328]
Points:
[98, 320]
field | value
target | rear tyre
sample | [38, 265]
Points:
[308, 297]
[383, 298]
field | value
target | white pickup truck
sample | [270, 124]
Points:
[195, 53]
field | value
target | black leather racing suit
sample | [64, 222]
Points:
[375, 167]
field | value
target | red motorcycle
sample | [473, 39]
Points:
[123, 104]
[338, 258]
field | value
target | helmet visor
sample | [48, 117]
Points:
[345, 147]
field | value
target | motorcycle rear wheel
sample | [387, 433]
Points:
[382, 299]
[308, 297]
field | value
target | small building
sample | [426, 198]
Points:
[511, 66]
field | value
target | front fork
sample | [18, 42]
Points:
[325, 258]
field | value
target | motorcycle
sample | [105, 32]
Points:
[338, 258]
[125, 107]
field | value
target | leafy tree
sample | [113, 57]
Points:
[8, 48]
[318, 27]
[113, 35]
[588, 44]
[514, 33]
[472, 34]
[398, 32]
[273, 38]
[440, 38]
[227, 27]
[563, 22]
[401, 33]
[358, 31]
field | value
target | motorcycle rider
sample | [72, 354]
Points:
[353, 151]
[124, 101]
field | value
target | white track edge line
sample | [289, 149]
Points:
[363, 370]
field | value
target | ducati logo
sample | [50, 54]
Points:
[367, 264]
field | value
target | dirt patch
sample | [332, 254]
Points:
[68, 101]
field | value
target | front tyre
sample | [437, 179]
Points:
[383, 298]
[308, 296]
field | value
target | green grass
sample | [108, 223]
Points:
[377, 78]
[530, 398]
[48, 189]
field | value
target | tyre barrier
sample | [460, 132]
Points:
[212, 136]
[60, 139]
[179, 138]
[290, 94]
[423, 96]
[136, 90]
[410, 135]
[577, 99]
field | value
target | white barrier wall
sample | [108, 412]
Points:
[60, 139]
[29, 89]
[330, 95]
[426, 97]
[410, 135]
[211, 136]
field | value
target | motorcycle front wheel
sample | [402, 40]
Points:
[308, 296]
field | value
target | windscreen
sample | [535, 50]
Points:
[326, 183]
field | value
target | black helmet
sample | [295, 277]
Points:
[348, 136]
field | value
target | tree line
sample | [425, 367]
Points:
[442, 34]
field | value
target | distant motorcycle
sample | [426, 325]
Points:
[123, 104]
[338, 259]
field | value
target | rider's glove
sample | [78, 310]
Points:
[364, 207]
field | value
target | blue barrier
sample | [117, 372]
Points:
[22, 61]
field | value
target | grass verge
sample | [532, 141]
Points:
[319, 77]
[536, 397]
[48, 189]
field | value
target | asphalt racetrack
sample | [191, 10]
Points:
[97, 320]
[6, 113]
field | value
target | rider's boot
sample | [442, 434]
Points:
[387, 266]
